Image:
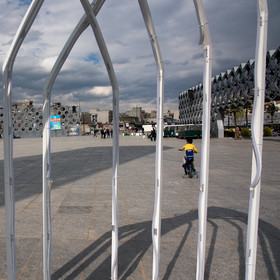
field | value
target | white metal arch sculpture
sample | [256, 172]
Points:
[89, 18]
[62, 57]
[83, 24]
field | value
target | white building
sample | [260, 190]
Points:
[102, 116]
[136, 112]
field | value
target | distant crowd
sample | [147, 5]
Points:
[104, 133]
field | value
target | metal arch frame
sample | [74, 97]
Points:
[47, 182]
[205, 39]
[102, 46]
[7, 70]
[8, 135]
[257, 137]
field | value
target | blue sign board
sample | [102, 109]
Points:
[55, 122]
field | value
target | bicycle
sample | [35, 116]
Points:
[188, 165]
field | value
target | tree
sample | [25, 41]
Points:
[247, 107]
[271, 108]
[227, 112]
[238, 114]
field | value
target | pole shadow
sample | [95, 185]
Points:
[140, 233]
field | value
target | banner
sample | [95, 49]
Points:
[74, 131]
[55, 122]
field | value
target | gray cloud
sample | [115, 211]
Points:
[232, 26]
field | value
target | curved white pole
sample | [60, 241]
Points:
[47, 231]
[156, 225]
[205, 39]
[257, 136]
[8, 134]
[107, 60]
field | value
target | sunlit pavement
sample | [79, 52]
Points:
[81, 209]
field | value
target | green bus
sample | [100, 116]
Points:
[183, 131]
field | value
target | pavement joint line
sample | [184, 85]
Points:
[31, 202]
[31, 214]
[180, 235]
[133, 234]
[140, 179]
[30, 256]
[69, 239]
[28, 237]
[90, 223]
[33, 251]
[23, 186]
[131, 262]
[94, 197]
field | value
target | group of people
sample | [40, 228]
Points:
[106, 133]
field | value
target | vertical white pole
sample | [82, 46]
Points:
[257, 136]
[8, 134]
[114, 261]
[205, 146]
[9, 177]
[47, 231]
[107, 60]
[156, 225]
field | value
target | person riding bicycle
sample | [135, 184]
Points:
[189, 155]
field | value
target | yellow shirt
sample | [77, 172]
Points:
[189, 146]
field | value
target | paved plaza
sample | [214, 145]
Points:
[81, 209]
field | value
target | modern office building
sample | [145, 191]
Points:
[230, 90]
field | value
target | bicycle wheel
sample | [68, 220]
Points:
[190, 172]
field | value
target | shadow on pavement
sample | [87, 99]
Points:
[140, 234]
[67, 167]
[270, 139]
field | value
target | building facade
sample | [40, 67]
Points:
[102, 116]
[230, 90]
[28, 119]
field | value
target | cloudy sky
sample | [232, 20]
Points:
[83, 78]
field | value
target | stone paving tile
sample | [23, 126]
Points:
[70, 264]
[71, 226]
[28, 225]
[25, 247]
[81, 210]
[3, 262]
